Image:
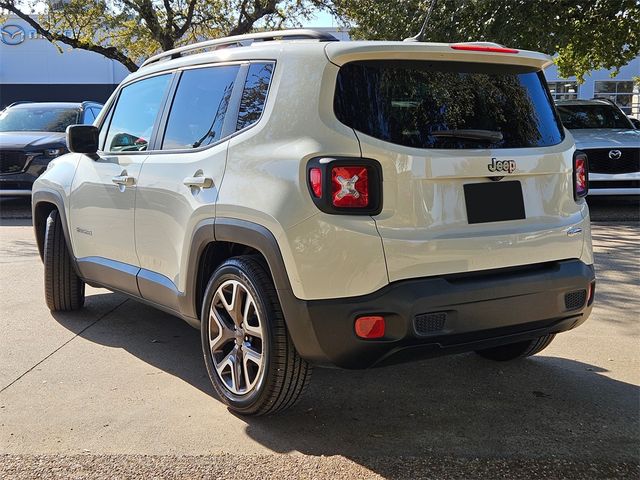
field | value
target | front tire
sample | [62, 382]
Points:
[512, 351]
[63, 289]
[250, 358]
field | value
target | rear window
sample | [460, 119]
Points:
[450, 105]
[592, 116]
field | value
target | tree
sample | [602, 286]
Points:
[131, 30]
[586, 34]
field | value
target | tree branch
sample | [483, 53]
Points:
[109, 52]
[188, 20]
[245, 25]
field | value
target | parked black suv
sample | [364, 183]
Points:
[31, 135]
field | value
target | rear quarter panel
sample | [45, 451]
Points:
[326, 256]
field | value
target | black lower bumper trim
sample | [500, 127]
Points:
[474, 311]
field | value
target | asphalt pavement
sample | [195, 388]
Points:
[120, 390]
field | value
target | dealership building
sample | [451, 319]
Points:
[599, 84]
[31, 68]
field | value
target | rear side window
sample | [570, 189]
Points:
[89, 116]
[199, 107]
[450, 105]
[135, 113]
[255, 94]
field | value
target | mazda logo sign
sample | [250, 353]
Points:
[615, 154]
[12, 34]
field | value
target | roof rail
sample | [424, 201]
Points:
[243, 40]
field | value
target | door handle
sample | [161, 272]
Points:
[124, 180]
[198, 182]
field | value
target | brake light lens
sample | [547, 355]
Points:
[483, 48]
[315, 181]
[345, 185]
[370, 327]
[580, 175]
[350, 186]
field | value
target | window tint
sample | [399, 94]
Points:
[592, 116]
[254, 94]
[89, 116]
[199, 107]
[134, 115]
[447, 105]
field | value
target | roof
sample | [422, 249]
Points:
[593, 101]
[273, 45]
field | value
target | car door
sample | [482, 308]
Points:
[103, 191]
[179, 183]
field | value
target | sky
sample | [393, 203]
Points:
[321, 19]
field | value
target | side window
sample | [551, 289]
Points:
[254, 94]
[89, 116]
[199, 107]
[132, 120]
[96, 111]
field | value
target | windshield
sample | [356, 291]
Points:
[452, 105]
[592, 116]
[37, 119]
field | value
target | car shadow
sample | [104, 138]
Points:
[462, 406]
[15, 211]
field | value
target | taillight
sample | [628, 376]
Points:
[315, 181]
[482, 48]
[341, 185]
[350, 186]
[580, 175]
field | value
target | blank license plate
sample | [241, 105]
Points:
[494, 202]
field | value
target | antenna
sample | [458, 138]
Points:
[418, 37]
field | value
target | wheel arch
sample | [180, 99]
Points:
[233, 237]
[43, 202]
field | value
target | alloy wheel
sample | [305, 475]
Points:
[236, 338]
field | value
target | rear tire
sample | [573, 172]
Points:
[63, 289]
[513, 351]
[250, 358]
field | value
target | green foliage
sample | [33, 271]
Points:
[586, 34]
[131, 30]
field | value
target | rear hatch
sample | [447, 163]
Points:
[477, 170]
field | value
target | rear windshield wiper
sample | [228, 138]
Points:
[489, 135]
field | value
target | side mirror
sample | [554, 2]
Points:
[82, 138]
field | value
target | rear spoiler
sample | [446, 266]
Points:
[485, 52]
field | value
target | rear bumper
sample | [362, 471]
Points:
[451, 314]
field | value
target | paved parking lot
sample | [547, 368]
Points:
[120, 389]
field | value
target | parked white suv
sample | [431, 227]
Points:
[612, 144]
[308, 201]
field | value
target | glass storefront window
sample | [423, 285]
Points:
[563, 90]
[623, 93]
